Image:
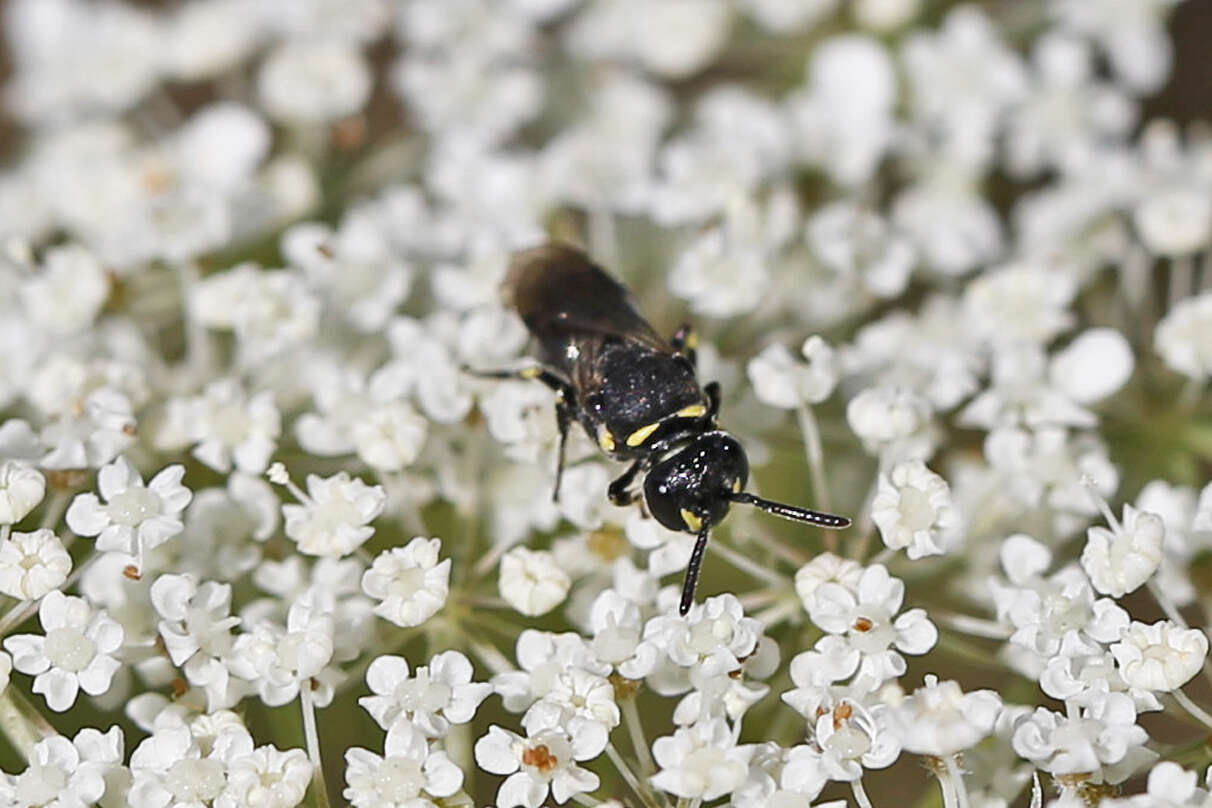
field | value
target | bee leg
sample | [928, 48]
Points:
[524, 374]
[564, 418]
[684, 341]
[620, 491]
[712, 389]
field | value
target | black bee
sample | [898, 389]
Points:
[636, 395]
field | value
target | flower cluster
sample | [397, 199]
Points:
[276, 512]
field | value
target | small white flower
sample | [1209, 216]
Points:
[407, 775]
[1169, 786]
[542, 657]
[1101, 739]
[867, 617]
[269, 778]
[700, 762]
[135, 518]
[1162, 656]
[226, 425]
[180, 764]
[196, 624]
[826, 568]
[940, 719]
[576, 699]
[33, 564]
[1094, 366]
[538, 764]
[390, 437]
[314, 80]
[410, 583]
[914, 511]
[335, 515]
[1020, 303]
[532, 582]
[1183, 338]
[617, 635]
[65, 297]
[892, 420]
[1175, 221]
[21, 489]
[780, 381]
[1121, 558]
[852, 738]
[281, 660]
[68, 773]
[75, 654]
[711, 640]
[434, 697]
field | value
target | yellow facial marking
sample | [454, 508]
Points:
[693, 411]
[640, 435]
[692, 520]
[606, 440]
[736, 487]
[530, 373]
[692, 340]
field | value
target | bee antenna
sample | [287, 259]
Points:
[692, 573]
[797, 514]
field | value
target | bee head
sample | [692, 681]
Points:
[692, 489]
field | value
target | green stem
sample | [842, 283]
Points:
[319, 787]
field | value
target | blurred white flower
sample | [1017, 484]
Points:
[1132, 32]
[408, 773]
[1099, 740]
[70, 772]
[780, 381]
[1094, 366]
[21, 489]
[914, 511]
[313, 81]
[1183, 337]
[195, 625]
[673, 39]
[532, 582]
[67, 293]
[226, 425]
[940, 719]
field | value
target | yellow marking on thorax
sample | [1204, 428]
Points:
[693, 411]
[642, 434]
[531, 372]
[606, 440]
[692, 520]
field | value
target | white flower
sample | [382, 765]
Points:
[826, 568]
[1120, 559]
[868, 618]
[1183, 338]
[196, 624]
[940, 719]
[1133, 34]
[180, 765]
[537, 764]
[1023, 302]
[853, 738]
[712, 639]
[576, 699]
[815, 673]
[135, 518]
[76, 653]
[914, 511]
[315, 80]
[1094, 366]
[860, 246]
[617, 635]
[21, 489]
[410, 583]
[434, 697]
[1162, 656]
[892, 420]
[390, 437]
[723, 272]
[542, 657]
[1101, 739]
[778, 380]
[67, 773]
[532, 582]
[1176, 221]
[269, 778]
[1169, 786]
[334, 517]
[408, 769]
[66, 296]
[673, 40]
[700, 762]
[226, 425]
[33, 564]
[280, 660]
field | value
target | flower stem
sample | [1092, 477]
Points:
[4, 531]
[17, 615]
[975, 626]
[313, 746]
[635, 728]
[1197, 712]
[54, 509]
[860, 793]
[585, 799]
[745, 564]
[21, 723]
[957, 780]
[948, 787]
[630, 777]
